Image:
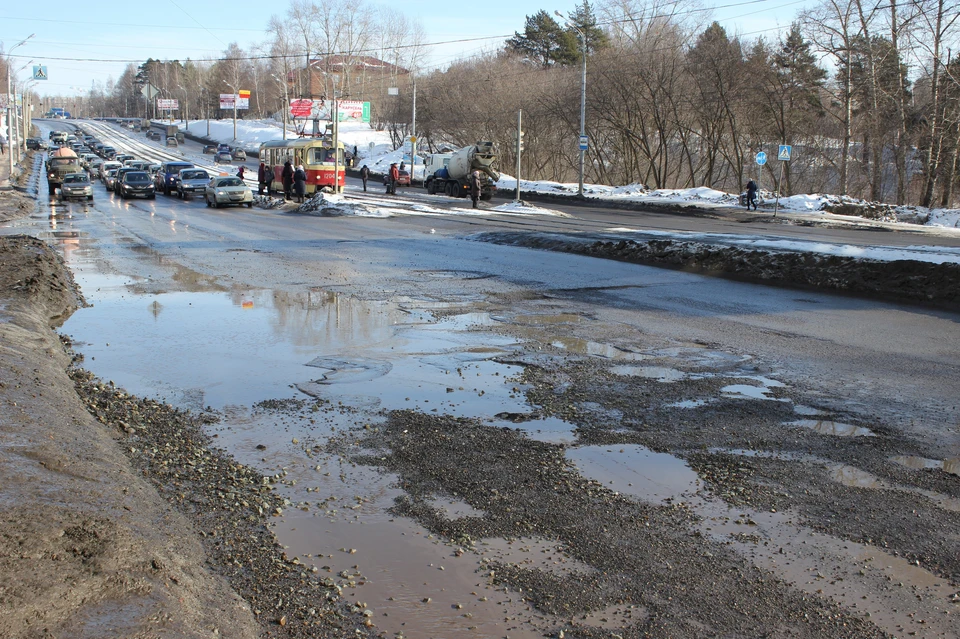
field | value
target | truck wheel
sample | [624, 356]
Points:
[53, 189]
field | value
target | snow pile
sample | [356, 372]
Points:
[335, 205]
[522, 208]
[268, 202]
[947, 218]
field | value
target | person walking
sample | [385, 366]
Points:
[394, 177]
[364, 175]
[286, 177]
[3, 145]
[300, 183]
[262, 179]
[240, 171]
[475, 188]
[752, 194]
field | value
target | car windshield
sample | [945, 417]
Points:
[194, 175]
[75, 178]
[230, 182]
[176, 168]
[136, 177]
[111, 173]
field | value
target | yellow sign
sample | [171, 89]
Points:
[413, 138]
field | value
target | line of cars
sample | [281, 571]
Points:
[129, 177]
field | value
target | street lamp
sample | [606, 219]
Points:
[183, 111]
[236, 97]
[583, 95]
[10, 115]
[286, 101]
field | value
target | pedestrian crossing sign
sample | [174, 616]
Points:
[40, 72]
[784, 154]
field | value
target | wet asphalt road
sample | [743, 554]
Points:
[895, 364]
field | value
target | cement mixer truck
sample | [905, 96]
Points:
[60, 163]
[449, 173]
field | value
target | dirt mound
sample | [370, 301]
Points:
[32, 273]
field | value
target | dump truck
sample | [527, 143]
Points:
[60, 163]
[449, 173]
[169, 131]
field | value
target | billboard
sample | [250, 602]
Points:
[242, 100]
[167, 105]
[348, 110]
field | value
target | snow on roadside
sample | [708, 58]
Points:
[920, 253]
[522, 208]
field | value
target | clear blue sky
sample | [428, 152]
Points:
[98, 30]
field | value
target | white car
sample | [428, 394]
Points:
[228, 190]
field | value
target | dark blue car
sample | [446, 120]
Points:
[166, 177]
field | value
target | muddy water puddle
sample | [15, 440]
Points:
[636, 471]
[829, 427]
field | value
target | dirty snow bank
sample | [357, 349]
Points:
[335, 205]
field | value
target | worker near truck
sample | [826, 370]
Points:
[475, 187]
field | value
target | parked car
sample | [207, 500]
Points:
[403, 178]
[190, 182]
[222, 157]
[165, 177]
[35, 143]
[210, 148]
[221, 191]
[109, 178]
[76, 185]
[137, 184]
[239, 154]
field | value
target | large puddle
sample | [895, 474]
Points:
[291, 373]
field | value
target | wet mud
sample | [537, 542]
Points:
[902, 280]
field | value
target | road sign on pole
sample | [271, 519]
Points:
[40, 72]
[761, 158]
[584, 142]
[784, 154]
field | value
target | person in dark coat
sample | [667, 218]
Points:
[300, 183]
[752, 194]
[240, 171]
[475, 187]
[364, 175]
[286, 176]
[264, 178]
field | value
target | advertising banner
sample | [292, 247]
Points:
[167, 105]
[227, 100]
[348, 110]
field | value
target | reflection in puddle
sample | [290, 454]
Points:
[534, 553]
[746, 391]
[635, 470]
[596, 349]
[951, 465]
[826, 427]
[807, 411]
[551, 430]
[854, 477]
[659, 373]
[689, 403]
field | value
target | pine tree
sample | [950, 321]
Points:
[585, 20]
[543, 41]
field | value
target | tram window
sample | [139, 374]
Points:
[322, 156]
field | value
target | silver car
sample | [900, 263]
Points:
[221, 191]
[191, 182]
[76, 185]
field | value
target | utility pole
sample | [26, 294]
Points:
[519, 149]
[11, 108]
[336, 143]
[413, 134]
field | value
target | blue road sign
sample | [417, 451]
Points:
[40, 72]
[784, 154]
[761, 158]
[584, 142]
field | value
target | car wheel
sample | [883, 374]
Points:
[179, 194]
[249, 205]
[216, 204]
[208, 201]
